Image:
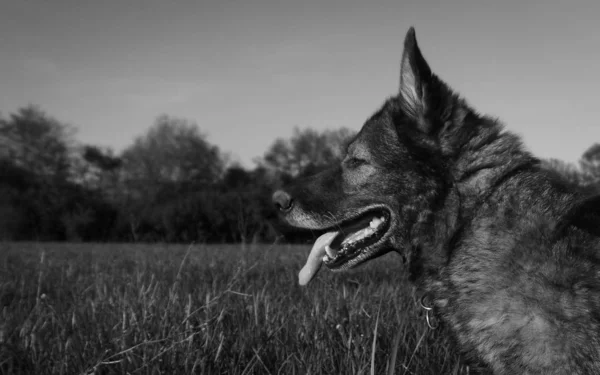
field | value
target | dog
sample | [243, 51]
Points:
[506, 251]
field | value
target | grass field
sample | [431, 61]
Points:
[173, 309]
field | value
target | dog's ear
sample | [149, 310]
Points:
[415, 78]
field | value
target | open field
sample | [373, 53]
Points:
[174, 309]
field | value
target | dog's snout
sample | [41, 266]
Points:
[283, 201]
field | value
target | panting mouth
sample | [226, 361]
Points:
[348, 244]
[356, 236]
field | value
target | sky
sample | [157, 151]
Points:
[249, 71]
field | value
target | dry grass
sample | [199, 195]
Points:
[152, 309]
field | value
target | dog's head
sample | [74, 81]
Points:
[395, 173]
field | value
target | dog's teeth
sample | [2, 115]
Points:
[325, 258]
[376, 222]
[330, 252]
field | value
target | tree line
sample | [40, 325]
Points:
[171, 184]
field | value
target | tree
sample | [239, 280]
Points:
[38, 142]
[99, 170]
[36, 171]
[590, 163]
[306, 151]
[173, 151]
[170, 160]
[102, 159]
[246, 204]
[236, 177]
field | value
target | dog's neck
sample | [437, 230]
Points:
[479, 168]
[479, 150]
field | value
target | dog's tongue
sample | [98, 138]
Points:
[315, 258]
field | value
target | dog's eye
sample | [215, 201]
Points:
[354, 162]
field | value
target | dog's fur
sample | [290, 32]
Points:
[509, 253]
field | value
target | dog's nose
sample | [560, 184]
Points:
[283, 201]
